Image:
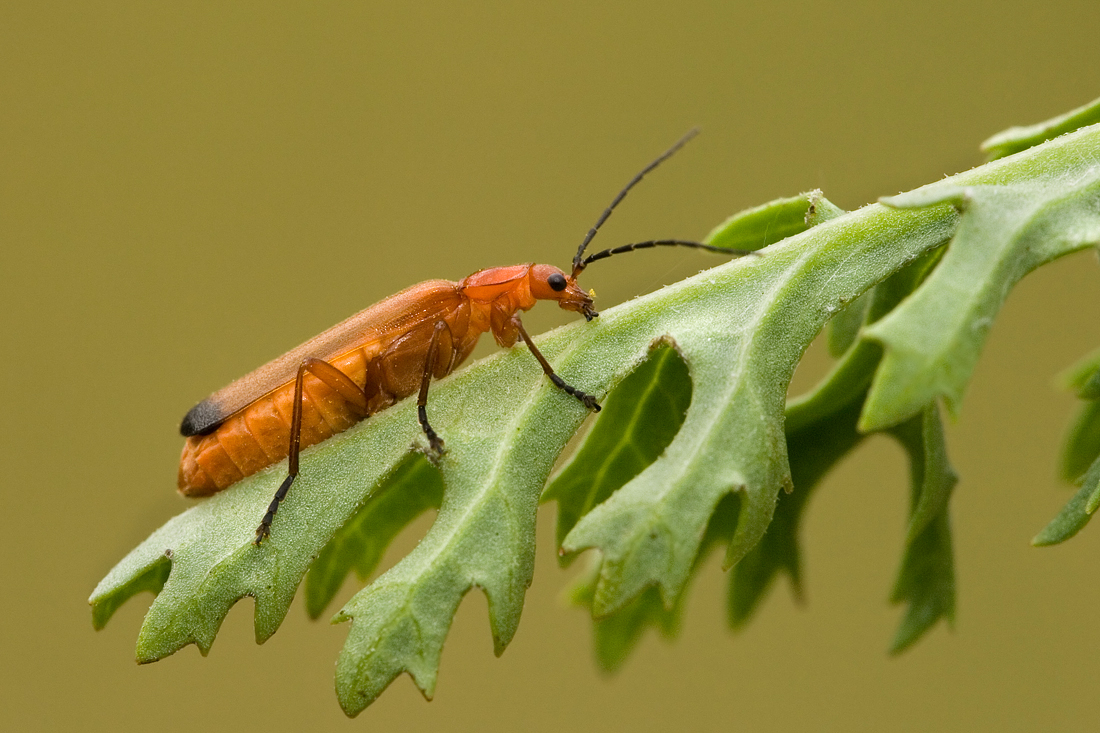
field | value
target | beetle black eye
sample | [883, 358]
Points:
[556, 281]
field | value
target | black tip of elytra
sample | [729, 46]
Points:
[202, 419]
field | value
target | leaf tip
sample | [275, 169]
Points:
[1094, 501]
[820, 209]
[1020, 138]
[1043, 539]
[798, 593]
[112, 593]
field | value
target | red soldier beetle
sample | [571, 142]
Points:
[375, 358]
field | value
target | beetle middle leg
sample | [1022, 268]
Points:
[434, 441]
[340, 383]
[586, 399]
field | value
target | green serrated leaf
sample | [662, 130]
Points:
[782, 218]
[649, 531]
[1083, 377]
[638, 421]
[413, 488]
[1090, 389]
[1075, 514]
[1082, 444]
[152, 579]
[820, 429]
[1081, 449]
[1009, 228]
[741, 328]
[926, 579]
[758, 227]
[844, 328]
[812, 454]
[617, 634]
[1016, 139]
[814, 446]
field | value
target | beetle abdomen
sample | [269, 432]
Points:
[259, 435]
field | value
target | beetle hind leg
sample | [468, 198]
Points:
[339, 382]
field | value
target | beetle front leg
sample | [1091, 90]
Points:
[586, 399]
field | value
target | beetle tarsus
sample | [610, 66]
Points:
[435, 443]
[588, 401]
[585, 399]
[264, 530]
[435, 449]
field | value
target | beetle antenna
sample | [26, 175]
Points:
[658, 243]
[578, 263]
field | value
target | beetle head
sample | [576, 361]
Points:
[550, 283]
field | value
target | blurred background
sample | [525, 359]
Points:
[187, 190]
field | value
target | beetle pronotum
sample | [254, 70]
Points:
[375, 358]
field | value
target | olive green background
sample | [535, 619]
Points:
[187, 190]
